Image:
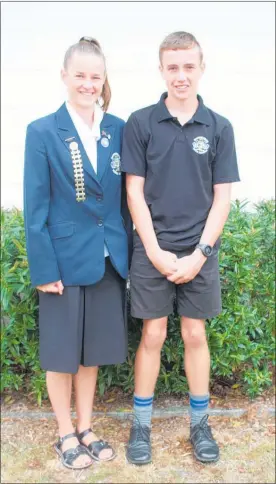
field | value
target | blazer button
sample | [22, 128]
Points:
[100, 223]
[99, 198]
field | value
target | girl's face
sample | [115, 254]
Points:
[84, 78]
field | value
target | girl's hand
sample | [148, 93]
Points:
[54, 287]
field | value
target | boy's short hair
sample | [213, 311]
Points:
[179, 40]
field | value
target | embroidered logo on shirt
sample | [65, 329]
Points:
[201, 145]
[116, 163]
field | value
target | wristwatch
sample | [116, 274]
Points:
[206, 250]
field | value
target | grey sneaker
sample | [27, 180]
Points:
[139, 446]
[205, 447]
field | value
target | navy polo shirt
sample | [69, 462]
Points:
[180, 164]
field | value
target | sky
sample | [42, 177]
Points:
[237, 39]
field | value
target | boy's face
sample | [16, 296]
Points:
[181, 69]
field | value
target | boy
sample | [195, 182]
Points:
[180, 161]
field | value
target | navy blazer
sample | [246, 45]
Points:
[69, 210]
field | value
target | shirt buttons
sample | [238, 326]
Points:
[100, 223]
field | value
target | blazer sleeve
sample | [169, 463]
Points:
[40, 251]
[125, 210]
[127, 219]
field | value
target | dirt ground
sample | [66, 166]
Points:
[115, 399]
[247, 452]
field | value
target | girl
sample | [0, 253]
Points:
[77, 246]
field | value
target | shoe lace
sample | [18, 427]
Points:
[142, 430]
[204, 428]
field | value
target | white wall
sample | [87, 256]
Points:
[237, 39]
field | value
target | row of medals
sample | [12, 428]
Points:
[78, 171]
[78, 168]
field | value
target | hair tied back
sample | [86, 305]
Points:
[90, 40]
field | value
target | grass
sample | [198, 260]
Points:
[247, 453]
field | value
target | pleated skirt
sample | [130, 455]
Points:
[85, 325]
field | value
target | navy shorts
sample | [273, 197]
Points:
[153, 296]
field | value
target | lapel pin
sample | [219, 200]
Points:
[105, 142]
[107, 135]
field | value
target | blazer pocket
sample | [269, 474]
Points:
[62, 229]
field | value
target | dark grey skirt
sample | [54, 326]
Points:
[87, 325]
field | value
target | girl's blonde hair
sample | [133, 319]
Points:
[89, 45]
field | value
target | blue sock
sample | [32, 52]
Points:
[198, 407]
[143, 409]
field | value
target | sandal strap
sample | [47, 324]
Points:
[68, 436]
[97, 446]
[70, 455]
[81, 435]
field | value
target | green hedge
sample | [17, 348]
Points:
[241, 338]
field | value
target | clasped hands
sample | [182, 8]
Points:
[177, 270]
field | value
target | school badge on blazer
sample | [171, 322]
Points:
[116, 163]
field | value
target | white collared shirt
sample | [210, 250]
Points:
[89, 137]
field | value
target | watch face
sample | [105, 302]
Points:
[208, 250]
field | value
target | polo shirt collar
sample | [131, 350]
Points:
[201, 115]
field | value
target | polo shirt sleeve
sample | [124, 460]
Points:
[134, 149]
[225, 166]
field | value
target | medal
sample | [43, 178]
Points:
[73, 146]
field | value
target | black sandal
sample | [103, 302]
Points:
[96, 447]
[70, 455]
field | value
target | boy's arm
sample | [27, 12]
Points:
[164, 261]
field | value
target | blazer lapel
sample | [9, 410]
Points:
[103, 151]
[68, 133]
